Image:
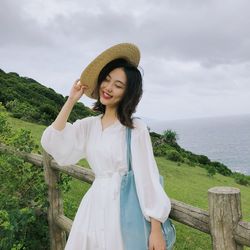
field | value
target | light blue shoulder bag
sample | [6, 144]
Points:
[134, 227]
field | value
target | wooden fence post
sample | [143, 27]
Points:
[56, 234]
[224, 215]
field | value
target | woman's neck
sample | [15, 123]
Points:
[110, 114]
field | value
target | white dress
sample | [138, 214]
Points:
[96, 224]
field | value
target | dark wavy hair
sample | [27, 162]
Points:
[133, 91]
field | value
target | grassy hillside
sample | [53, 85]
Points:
[27, 99]
[182, 182]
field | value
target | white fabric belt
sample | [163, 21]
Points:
[115, 181]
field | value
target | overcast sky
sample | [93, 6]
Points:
[195, 54]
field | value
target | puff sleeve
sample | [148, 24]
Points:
[153, 200]
[67, 146]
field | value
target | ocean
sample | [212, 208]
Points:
[223, 139]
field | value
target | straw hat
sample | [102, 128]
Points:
[90, 74]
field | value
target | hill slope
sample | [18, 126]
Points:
[29, 100]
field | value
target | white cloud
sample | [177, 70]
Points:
[195, 54]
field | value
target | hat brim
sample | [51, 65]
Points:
[90, 74]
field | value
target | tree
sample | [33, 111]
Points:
[169, 136]
[211, 171]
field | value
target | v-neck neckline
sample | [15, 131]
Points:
[111, 125]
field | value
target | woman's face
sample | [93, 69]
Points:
[113, 87]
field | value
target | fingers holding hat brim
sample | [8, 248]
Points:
[78, 85]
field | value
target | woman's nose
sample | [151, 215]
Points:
[109, 87]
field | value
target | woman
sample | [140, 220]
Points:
[101, 140]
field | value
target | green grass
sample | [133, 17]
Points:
[190, 185]
[36, 130]
[184, 183]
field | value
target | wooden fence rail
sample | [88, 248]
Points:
[222, 220]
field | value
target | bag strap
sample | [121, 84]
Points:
[128, 140]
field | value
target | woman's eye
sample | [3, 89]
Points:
[118, 86]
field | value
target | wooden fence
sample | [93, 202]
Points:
[222, 220]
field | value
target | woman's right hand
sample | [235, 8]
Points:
[77, 90]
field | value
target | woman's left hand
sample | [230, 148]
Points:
[156, 240]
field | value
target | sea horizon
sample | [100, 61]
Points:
[221, 138]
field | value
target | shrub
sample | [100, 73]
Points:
[188, 162]
[22, 110]
[2, 108]
[169, 136]
[241, 179]
[5, 131]
[173, 155]
[210, 171]
[202, 159]
[192, 157]
[23, 195]
[221, 168]
[161, 149]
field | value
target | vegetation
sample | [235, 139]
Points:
[186, 183]
[166, 146]
[29, 100]
[23, 193]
